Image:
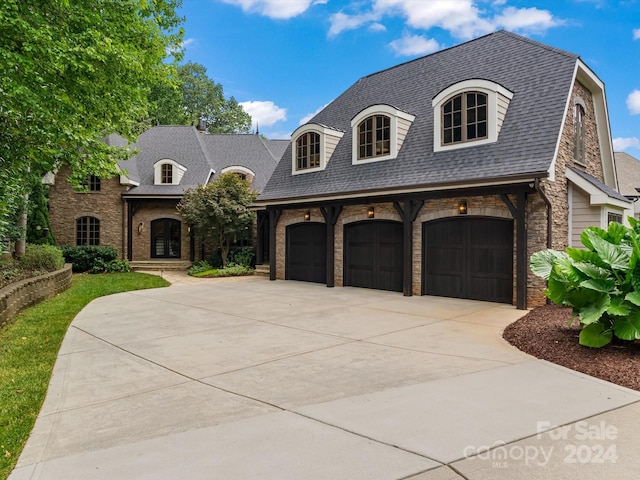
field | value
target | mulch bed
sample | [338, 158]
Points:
[545, 333]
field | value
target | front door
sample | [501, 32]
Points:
[165, 238]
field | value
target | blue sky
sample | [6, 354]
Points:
[286, 59]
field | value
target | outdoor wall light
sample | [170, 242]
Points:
[140, 227]
[307, 216]
[462, 207]
[371, 212]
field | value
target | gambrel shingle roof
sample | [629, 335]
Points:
[201, 154]
[539, 76]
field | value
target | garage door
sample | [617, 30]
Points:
[307, 252]
[373, 255]
[468, 257]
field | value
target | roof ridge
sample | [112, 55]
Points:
[203, 148]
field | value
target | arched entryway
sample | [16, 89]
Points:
[165, 238]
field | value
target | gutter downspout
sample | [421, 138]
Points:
[549, 211]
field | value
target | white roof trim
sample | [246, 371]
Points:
[596, 196]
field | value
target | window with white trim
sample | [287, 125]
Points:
[469, 113]
[312, 146]
[378, 133]
[168, 172]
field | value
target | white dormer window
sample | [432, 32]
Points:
[168, 172]
[469, 113]
[378, 133]
[312, 147]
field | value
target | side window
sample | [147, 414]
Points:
[578, 134]
[94, 183]
[308, 151]
[87, 231]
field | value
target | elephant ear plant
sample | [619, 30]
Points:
[601, 284]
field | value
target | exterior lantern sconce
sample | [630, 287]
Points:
[307, 216]
[140, 227]
[371, 212]
[462, 207]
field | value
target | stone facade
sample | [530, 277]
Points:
[146, 213]
[66, 205]
[28, 292]
[482, 206]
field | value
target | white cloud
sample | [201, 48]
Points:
[341, 22]
[377, 27]
[462, 18]
[264, 114]
[410, 45]
[275, 8]
[620, 144]
[633, 102]
[308, 117]
[636, 34]
[526, 19]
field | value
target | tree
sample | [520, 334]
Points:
[197, 96]
[38, 227]
[73, 71]
[219, 210]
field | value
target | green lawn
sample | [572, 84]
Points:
[29, 347]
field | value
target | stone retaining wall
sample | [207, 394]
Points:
[30, 291]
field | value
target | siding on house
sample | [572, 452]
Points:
[583, 215]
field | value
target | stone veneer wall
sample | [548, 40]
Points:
[66, 205]
[487, 206]
[145, 214]
[23, 294]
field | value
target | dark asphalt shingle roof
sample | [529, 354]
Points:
[200, 153]
[540, 77]
[628, 168]
[600, 186]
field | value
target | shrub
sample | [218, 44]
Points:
[199, 267]
[114, 266]
[232, 270]
[42, 257]
[601, 284]
[84, 257]
[242, 256]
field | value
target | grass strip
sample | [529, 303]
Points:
[29, 348]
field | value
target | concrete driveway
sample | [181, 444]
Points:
[244, 378]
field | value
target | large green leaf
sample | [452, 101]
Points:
[627, 328]
[616, 232]
[556, 288]
[587, 256]
[542, 262]
[599, 285]
[586, 235]
[619, 307]
[633, 297]
[593, 271]
[592, 312]
[595, 335]
[611, 254]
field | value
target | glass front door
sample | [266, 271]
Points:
[165, 238]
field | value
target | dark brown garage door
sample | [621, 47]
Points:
[468, 257]
[373, 255]
[307, 252]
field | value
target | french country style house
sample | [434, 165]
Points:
[441, 176]
[136, 212]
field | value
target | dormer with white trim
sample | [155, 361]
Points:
[378, 133]
[168, 172]
[312, 146]
[469, 113]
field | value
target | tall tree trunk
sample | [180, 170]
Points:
[21, 243]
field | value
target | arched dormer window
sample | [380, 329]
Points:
[312, 147]
[378, 133]
[469, 113]
[168, 172]
[242, 172]
[578, 131]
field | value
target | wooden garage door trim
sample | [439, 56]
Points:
[306, 255]
[378, 261]
[468, 257]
